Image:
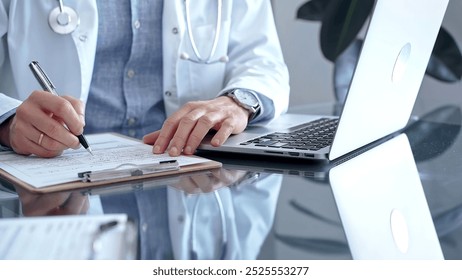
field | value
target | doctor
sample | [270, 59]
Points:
[166, 70]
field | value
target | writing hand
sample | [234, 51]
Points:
[33, 131]
[184, 130]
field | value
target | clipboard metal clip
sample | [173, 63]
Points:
[128, 170]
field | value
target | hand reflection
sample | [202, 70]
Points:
[205, 182]
[60, 203]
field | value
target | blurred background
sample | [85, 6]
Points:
[312, 75]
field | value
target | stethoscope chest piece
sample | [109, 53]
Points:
[63, 20]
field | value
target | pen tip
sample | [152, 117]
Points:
[90, 151]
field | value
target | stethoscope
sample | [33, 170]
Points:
[199, 58]
[63, 19]
[224, 240]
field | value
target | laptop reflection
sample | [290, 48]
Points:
[382, 204]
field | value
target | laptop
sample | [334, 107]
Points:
[382, 204]
[387, 77]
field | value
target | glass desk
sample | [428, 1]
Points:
[399, 199]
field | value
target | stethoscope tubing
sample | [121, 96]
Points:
[64, 20]
[224, 229]
[216, 35]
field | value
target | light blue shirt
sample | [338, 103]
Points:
[126, 89]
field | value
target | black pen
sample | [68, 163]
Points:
[47, 85]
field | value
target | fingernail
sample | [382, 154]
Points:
[173, 151]
[157, 149]
[215, 142]
[188, 150]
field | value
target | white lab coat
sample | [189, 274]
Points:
[256, 60]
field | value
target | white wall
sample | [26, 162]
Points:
[311, 73]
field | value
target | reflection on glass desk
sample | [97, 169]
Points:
[382, 205]
[399, 199]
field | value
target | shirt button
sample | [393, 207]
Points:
[132, 133]
[144, 227]
[175, 30]
[131, 121]
[130, 73]
[137, 24]
[168, 93]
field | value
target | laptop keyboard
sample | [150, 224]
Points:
[314, 136]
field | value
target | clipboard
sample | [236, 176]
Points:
[123, 172]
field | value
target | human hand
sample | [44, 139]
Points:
[184, 130]
[59, 203]
[38, 125]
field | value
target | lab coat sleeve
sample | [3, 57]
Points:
[255, 56]
[7, 104]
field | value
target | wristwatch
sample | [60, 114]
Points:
[247, 100]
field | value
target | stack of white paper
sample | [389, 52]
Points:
[68, 237]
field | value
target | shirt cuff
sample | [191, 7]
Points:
[3, 118]
[266, 109]
[7, 115]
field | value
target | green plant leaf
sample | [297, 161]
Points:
[341, 24]
[313, 10]
[446, 61]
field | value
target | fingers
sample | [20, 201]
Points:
[68, 203]
[79, 109]
[161, 139]
[191, 130]
[63, 109]
[46, 124]
[75, 204]
[184, 130]
[151, 137]
[199, 183]
[223, 133]
[26, 140]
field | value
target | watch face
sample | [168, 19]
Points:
[246, 98]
